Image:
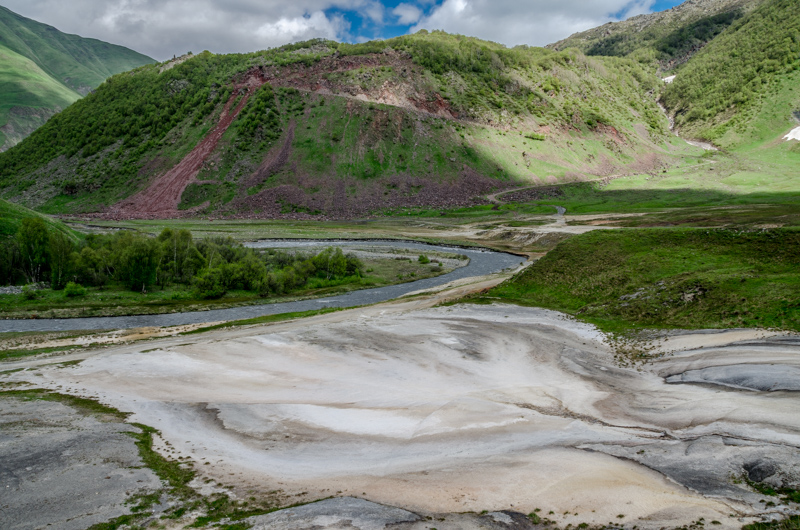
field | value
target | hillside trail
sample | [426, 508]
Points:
[495, 197]
[161, 198]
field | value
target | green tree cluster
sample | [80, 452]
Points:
[209, 267]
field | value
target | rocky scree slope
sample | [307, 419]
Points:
[43, 70]
[321, 129]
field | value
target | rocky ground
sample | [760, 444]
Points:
[62, 467]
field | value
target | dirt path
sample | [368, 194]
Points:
[161, 198]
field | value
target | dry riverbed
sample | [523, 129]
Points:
[445, 410]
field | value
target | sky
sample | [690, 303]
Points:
[164, 28]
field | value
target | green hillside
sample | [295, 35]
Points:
[669, 38]
[341, 129]
[742, 80]
[43, 70]
[30, 96]
[734, 63]
[668, 278]
[11, 215]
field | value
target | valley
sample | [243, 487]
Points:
[422, 282]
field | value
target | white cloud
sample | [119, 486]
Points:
[298, 28]
[374, 12]
[407, 14]
[533, 22]
[162, 28]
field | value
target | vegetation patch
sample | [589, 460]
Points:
[790, 523]
[130, 273]
[677, 278]
[87, 406]
[8, 355]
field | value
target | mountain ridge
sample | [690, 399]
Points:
[45, 70]
[653, 36]
[322, 130]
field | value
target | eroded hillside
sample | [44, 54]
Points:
[322, 129]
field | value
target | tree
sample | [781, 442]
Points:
[332, 262]
[179, 255]
[210, 284]
[138, 263]
[337, 264]
[59, 250]
[32, 238]
[9, 258]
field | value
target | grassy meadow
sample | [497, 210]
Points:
[668, 278]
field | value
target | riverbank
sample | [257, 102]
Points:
[480, 262]
[382, 266]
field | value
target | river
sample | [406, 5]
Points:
[482, 262]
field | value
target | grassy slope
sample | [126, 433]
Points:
[742, 77]
[11, 215]
[77, 62]
[43, 70]
[113, 139]
[24, 84]
[756, 175]
[655, 278]
[669, 37]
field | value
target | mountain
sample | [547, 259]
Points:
[320, 129]
[43, 70]
[733, 64]
[742, 87]
[669, 37]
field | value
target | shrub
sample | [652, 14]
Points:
[210, 285]
[424, 259]
[72, 289]
[536, 136]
